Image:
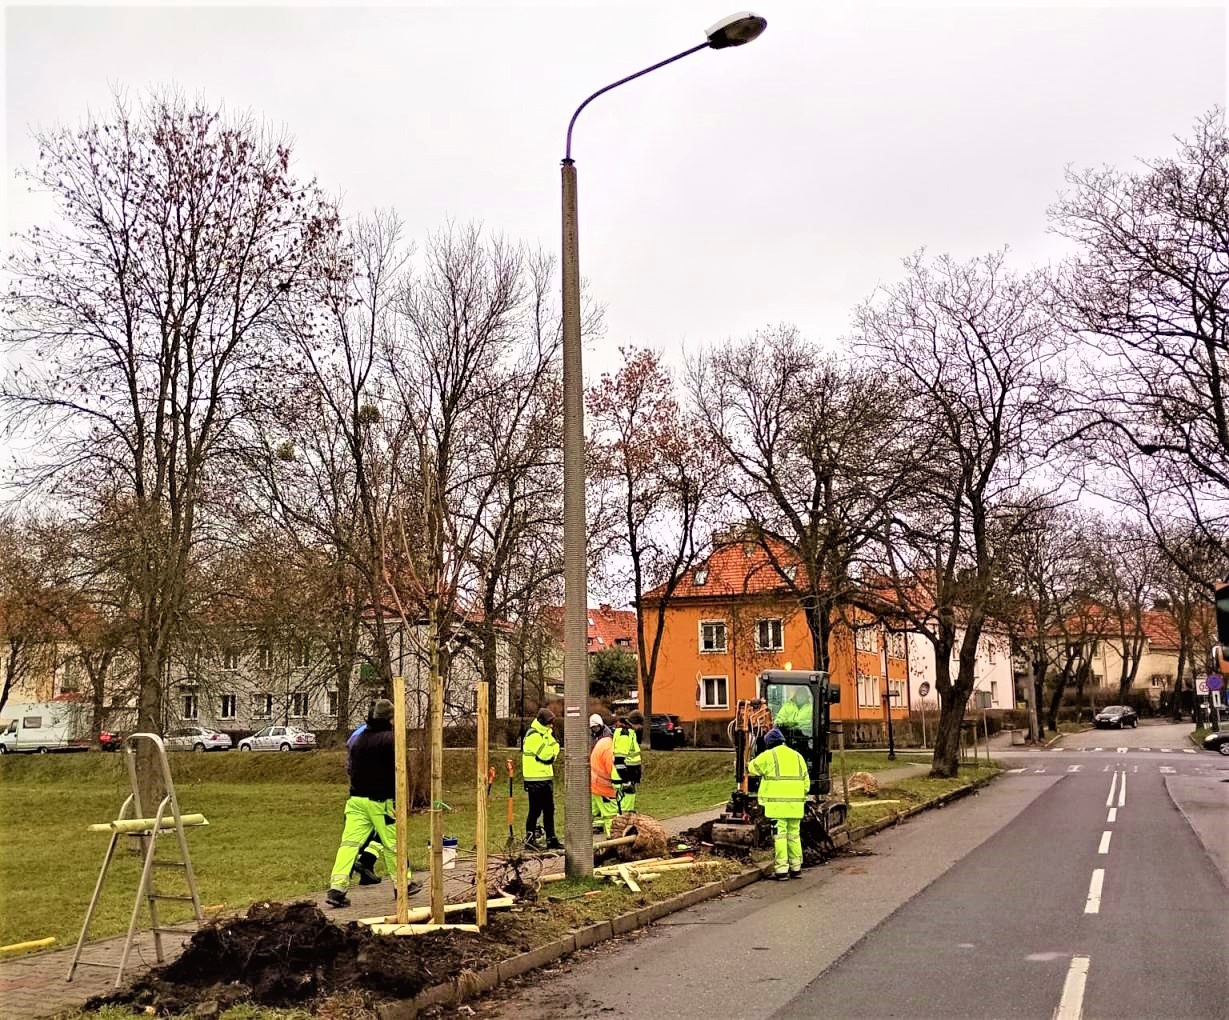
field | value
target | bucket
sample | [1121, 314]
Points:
[450, 852]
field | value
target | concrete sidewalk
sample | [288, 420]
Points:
[34, 986]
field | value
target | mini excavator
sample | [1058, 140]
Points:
[798, 702]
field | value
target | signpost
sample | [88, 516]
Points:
[1215, 684]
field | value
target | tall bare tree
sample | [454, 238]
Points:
[649, 455]
[817, 455]
[1148, 292]
[141, 322]
[967, 346]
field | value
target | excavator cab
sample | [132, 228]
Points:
[798, 703]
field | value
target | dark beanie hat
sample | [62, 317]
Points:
[774, 737]
[383, 709]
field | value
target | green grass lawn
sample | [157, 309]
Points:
[911, 792]
[275, 820]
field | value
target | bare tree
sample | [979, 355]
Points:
[817, 453]
[1129, 562]
[27, 626]
[1149, 294]
[142, 324]
[966, 344]
[650, 457]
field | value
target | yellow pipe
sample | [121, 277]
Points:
[138, 824]
[18, 947]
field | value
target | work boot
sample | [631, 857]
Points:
[796, 874]
[337, 898]
[781, 876]
[366, 868]
[553, 844]
[412, 888]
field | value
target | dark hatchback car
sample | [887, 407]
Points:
[666, 732]
[1218, 741]
[1116, 717]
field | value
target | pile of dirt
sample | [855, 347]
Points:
[282, 954]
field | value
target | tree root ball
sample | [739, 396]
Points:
[651, 837]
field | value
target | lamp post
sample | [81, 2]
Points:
[735, 30]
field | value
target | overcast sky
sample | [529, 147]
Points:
[777, 182]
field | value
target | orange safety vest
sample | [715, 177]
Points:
[602, 769]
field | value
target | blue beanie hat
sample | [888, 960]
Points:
[774, 737]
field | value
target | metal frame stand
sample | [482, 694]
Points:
[148, 834]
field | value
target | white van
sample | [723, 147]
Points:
[49, 726]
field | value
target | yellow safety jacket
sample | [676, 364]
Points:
[784, 781]
[626, 746]
[795, 716]
[539, 750]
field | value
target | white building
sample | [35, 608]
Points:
[992, 670]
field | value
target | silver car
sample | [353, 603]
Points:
[279, 738]
[196, 738]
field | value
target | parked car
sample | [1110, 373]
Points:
[196, 738]
[1116, 717]
[666, 732]
[1218, 741]
[109, 740]
[279, 738]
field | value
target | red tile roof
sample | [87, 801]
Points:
[607, 627]
[736, 568]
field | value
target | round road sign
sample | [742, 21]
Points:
[1216, 682]
[923, 689]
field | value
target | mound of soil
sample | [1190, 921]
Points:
[282, 954]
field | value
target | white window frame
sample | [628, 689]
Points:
[896, 645]
[230, 659]
[264, 656]
[868, 691]
[191, 705]
[725, 637]
[994, 692]
[333, 704]
[262, 705]
[233, 701]
[704, 705]
[772, 646]
[303, 654]
[864, 639]
[300, 704]
[900, 696]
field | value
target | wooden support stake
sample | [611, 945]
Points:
[138, 825]
[606, 844]
[419, 914]
[480, 822]
[626, 875]
[401, 795]
[419, 929]
[437, 768]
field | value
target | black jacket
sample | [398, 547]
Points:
[373, 762]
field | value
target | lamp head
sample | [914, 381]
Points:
[736, 30]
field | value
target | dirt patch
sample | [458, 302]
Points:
[285, 954]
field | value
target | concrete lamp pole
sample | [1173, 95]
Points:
[735, 30]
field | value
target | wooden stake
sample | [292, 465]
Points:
[420, 914]
[437, 769]
[480, 838]
[401, 798]
[419, 929]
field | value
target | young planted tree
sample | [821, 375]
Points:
[1128, 562]
[817, 456]
[659, 482]
[141, 325]
[966, 346]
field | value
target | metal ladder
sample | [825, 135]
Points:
[148, 834]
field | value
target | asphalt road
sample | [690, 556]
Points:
[1084, 883]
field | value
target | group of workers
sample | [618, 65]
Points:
[369, 831]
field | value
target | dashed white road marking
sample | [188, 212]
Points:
[1098, 749]
[1038, 772]
[1122, 791]
[1073, 768]
[1106, 769]
[1145, 748]
[1134, 768]
[1071, 1005]
[1188, 750]
[1104, 846]
[1015, 772]
[1167, 769]
[1109, 801]
[1093, 904]
[1113, 816]
[1123, 750]
[1165, 750]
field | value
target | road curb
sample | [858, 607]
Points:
[472, 983]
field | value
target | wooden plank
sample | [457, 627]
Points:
[140, 824]
[401, 798]
[418, 914]
[626, 875]
[419, 929]
[480, 836]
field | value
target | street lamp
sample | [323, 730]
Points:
[735, 30]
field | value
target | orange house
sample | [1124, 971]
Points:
[734, 616]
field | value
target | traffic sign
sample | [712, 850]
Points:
[1201, 686]
[923, 689]
[1216, 682]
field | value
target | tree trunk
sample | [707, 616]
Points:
[819, 623]
[946, 759]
